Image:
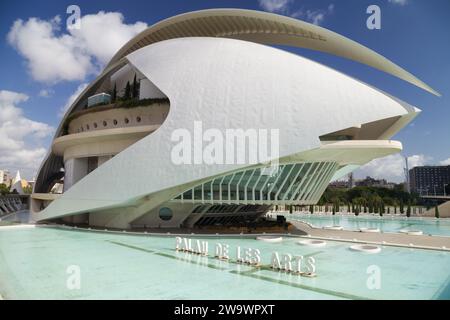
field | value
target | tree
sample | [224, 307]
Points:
[135, 88]
[408, 210]
[436, 211]
[3, 189]
[28, 189]
[114, 93]
[127, 95]
[334, 210]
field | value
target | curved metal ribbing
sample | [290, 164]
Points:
[297, 183]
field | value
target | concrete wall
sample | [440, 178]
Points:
[75, 170]
[444, 211]
[180, 212]
[120, 118]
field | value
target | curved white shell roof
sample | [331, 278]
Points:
[265, 28]
[249, 25]
[226, 83]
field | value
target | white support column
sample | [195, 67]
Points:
[275, 182]
[229, 190]
[220, 190]
[308, 183]
[302, 182]
[261, 191]
[253, 189]
[246, 185]
[293, 182]
[237, 185]
[284, 182]
[318, 180]
[212, 191]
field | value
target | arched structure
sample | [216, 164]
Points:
[210, 70]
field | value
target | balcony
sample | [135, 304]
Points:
[120, 114]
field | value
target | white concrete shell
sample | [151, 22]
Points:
[229, 84]
[225, 84]
[265, 28]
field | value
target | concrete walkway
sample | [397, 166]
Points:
[389, 239]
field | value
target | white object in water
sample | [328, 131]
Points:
[270, 239]
[412, 232]
[336, 227]
[366, 248]
[312, 243]
[370, 230]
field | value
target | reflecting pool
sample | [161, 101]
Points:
[37, 263]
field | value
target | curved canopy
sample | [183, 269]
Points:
[265, 28]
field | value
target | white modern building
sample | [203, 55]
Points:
[217, 68]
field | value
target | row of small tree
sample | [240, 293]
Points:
[357, 207]
[131, 91]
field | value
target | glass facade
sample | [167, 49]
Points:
[299, 183]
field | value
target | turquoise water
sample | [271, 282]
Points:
[431, 226]
[34, 262]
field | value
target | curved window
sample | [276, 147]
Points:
[95, 124]
[105, 123]
[138, 119]
[126, 120]
[165, 214]
[115, 122]
[87, 127]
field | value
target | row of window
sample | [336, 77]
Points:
[105, 124]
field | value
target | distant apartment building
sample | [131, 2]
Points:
[5, 177]
[429, 180]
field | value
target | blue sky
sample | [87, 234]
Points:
[414, 34]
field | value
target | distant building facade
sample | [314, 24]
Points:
[429, 180]
[371, 182]
[5, 177]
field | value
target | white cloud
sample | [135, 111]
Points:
[54, 56]
[315, 16]
[391, 167]
[46, 93]
[445, 162]
[399, 2]
[20, 137]
[72, 99]
[280, 6]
